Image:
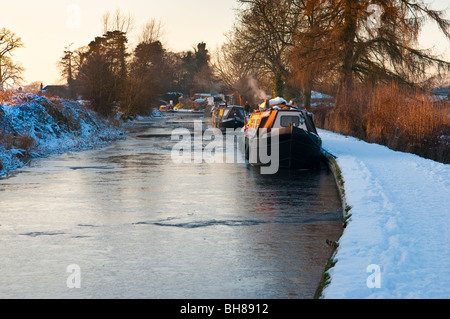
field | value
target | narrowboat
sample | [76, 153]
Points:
[228, 116]
[291, 129]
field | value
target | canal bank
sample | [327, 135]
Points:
[33, 126]
[394, 245]
[334, 168]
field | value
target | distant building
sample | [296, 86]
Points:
[61, 91]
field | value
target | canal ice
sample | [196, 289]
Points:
[137, 225]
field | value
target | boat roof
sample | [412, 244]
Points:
[267, 116]
[230, 106]
[281, 107]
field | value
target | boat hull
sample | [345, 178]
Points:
[298, 149]
[232, 124]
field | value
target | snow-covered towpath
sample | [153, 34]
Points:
[396, 245]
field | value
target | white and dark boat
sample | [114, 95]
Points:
[292, 129]
[228, 116]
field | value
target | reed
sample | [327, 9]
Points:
[405, 115]
[401, 118]
[6, 96]
[21, 142]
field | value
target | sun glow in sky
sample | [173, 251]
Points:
[47, 27]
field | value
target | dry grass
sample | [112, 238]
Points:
[22, 142]
[10, 97]
[415, 115]
[7, 97]
[400, 118]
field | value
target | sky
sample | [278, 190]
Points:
[47, 27]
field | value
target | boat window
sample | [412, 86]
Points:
[225, 113]
[287, 121]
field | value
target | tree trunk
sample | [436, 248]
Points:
[349, 34]
[70, 79]
[1, 76]
[307, 94]
[278, 85]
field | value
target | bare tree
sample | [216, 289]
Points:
[151, 32]
[264, 38]
[236, 74]
[9, 71]
[370, 51]
[312, 58]
[117, 21]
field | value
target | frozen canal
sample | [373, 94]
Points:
[134, 224]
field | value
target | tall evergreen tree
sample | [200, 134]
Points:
[103, 73]
[146, 79]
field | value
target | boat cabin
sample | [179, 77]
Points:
[278, 118]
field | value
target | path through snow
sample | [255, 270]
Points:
[400, 223]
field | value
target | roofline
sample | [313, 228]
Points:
[221, 105]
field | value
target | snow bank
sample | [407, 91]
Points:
[34, 126]
[157, 113]
[396, 245]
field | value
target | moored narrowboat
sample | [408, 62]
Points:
[228, 116]
[288, 130]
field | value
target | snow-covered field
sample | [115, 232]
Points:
[396, 245]
[34, 126]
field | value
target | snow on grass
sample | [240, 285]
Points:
[35, 126]
[396, 245]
